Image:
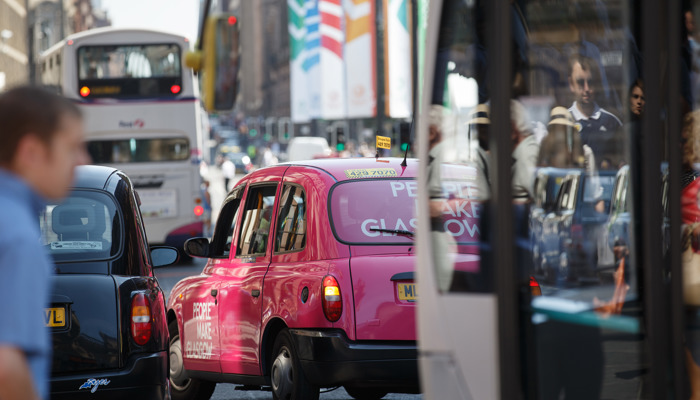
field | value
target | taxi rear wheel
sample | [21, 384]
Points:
[360, 393]
[287, 378]
[181, 386]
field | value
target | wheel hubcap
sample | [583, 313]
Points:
[282, 375]
[178, 376]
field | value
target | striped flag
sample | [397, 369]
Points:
[397, 58]
[312, 58]
[360, 60]
[332, 37]
[297, 45]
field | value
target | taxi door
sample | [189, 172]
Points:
[201, 326]
[240, 293]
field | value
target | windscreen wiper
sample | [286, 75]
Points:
[399, 232]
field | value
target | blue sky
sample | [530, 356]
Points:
[177, 16]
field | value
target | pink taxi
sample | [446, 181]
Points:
[308, 284]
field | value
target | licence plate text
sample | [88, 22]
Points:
[55, 317]
[407, 291]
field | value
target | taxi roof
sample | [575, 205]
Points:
[343, 169]
[92, 176]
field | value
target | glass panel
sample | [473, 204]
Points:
[139, 150]
[580, 103]
[85, 226]
[257, 219]
[129, 71]
[291, 223]
[690, 203]
[459, 162]
[225, 225]
[577, 101]
[143, 61]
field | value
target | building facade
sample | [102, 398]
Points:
[13, 43]
[49, 21]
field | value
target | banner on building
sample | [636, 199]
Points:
[360, 58]
[332, 61]
[297, 45]
[397, 58]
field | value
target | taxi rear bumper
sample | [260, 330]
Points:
[145, 376]
[329, 358]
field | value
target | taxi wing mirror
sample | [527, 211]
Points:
[197, 247]
[163, 256]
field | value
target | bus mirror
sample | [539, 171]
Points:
[193, 59]
[221, 62]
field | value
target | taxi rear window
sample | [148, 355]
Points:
[382, 211]
[85, 226]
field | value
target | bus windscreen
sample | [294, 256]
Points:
[133, 150]
[129, 71]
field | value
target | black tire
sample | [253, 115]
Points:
[287, 378]
[181, 386]
[360, 393]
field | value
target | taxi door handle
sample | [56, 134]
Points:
[255, 293]
[214, 292]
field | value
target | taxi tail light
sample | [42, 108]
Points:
[141, 326]
[535, 288]
[332, 302]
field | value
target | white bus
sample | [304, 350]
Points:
[142, 115]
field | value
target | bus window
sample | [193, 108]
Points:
[147, 70]
[138, 150]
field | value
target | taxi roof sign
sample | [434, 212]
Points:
[383, 142]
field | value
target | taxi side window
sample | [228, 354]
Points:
[225, 225]
[291, 222]
[257, 218]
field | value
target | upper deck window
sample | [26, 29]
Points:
[123, 71]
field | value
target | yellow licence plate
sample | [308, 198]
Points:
[55, 317]
[407, 291]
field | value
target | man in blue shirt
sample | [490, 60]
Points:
[596, 125]
[42, 143]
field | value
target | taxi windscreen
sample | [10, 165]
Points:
[85, 226]
[382, 211]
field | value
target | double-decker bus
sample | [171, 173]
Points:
[142, 115]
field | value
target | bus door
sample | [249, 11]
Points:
[570, 118]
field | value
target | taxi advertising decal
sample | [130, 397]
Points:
[202, 347]
[370, 173]
[383, 142]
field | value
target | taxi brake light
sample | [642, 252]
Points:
[141, 327]
[85, 91]
[332, 301]
[175, 89]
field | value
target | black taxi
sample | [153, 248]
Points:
[107, 310]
